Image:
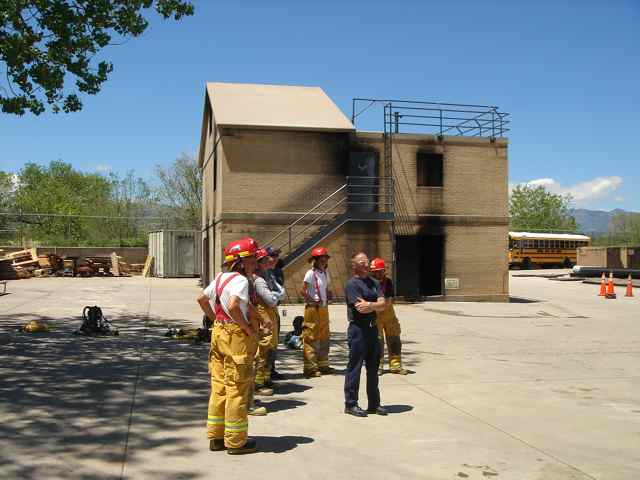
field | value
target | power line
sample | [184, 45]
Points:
[73, 215]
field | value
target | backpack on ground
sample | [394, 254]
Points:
[94, 323]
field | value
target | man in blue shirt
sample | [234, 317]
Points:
[364, 299]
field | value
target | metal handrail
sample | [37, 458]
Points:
[270, 242]
[438, 118]
[308, 226]
[386, 182]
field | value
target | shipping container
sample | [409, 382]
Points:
[176, 253]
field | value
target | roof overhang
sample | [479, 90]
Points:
[277, 107]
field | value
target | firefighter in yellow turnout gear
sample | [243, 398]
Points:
[388, 324]
[268, 295]
[315, 329]
[234, 343]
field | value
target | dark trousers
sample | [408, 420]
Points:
[363, 347]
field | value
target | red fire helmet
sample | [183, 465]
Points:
[261, 253]
[377, 264]
[319, 252]
[245, 247]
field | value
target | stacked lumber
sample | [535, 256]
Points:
[101, 266]
[112, 265]
[19, 264]
[27, 263]
[136, 268]
[50, 260]
[24, 258]
[48, 263]
[119, 267]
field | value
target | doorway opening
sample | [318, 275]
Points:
[419, 265]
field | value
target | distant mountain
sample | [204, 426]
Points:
[594, 222]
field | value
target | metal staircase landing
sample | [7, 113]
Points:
[360, 199]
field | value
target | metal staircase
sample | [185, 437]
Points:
[360, 199]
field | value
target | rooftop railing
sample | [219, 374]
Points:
[409, 116]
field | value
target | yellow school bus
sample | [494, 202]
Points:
[527, 249]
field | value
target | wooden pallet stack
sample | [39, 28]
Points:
[101, 266]
[136, 268]
[24, 262]
[112, 265]
[27, 263]
[49, 264]
[119, 267]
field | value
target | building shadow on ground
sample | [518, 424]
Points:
[290, 360]
[290, 387]
[279, 444]
[281, 404]
[513, 299]
[393, 409]
[78, 407]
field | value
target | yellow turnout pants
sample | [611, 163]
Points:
[389, 329]
[231, 366]
[315, 338]
[268, 343]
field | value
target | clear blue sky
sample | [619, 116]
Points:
[568, 72]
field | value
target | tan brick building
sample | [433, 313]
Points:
[283, 164]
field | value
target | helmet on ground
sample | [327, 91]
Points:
[377, 264]
[245, 247]
[261, 253]
[318, 252]
[35, 326]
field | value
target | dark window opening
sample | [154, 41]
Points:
[430, 169]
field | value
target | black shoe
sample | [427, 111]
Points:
[377, 411]
[356, 411]
[276, 376]
[216, 444]
[249, 447]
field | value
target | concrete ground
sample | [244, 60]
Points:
[545, 387]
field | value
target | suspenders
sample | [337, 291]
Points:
[221, 315]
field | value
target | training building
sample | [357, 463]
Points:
[427, 192]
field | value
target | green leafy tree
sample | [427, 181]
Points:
[535, 208]
[7, 188]
[59, 189]
[131, 199]
[625, 229]
[180, 189]
[58, 205]
[45, 43]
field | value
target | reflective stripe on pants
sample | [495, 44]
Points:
[315, 338]
[231, 365]
[389, 329]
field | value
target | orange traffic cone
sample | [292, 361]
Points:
[629, 288]
[611, 293]
[603, 287]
